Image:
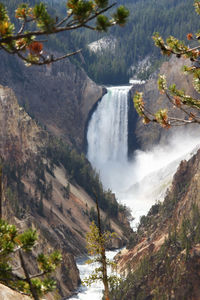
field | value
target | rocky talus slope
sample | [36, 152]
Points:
[40, 191]
[163, 260]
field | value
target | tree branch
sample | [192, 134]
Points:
[89, 27]
[22, 27]
[55, 29]
[47, 60]
[38, 275]
[64, 20]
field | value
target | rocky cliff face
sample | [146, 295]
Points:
[41, 193]
[19, 136]
[165, 254]
[59, 96]
[151, 134]
[21, 140]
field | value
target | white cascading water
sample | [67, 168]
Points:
[108, 130]
[107, 134]
[141, 182]
[94, 292]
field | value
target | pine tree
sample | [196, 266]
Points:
[11, 243]
[97, 241]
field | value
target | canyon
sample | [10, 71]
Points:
[36, 193]
[41, 189]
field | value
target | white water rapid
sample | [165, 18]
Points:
[94, 292]
[138, 183]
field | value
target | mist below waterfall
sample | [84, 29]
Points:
[147, 177]
[144, 180]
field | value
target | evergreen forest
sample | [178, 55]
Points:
[132, 43]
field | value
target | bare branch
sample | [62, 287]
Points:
[32, 289]
[48, 60]
[38, 275]
[89, 27]
[22, 27]
[64, 20]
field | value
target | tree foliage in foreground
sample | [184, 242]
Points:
[35, 22]
[177, 98]
[13, 244]
[96, 245]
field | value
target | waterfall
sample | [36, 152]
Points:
[107, 134]
[108, 129]
[144, 180]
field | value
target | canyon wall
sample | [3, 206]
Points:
[165, 252]
[60, 96]
[40, 192]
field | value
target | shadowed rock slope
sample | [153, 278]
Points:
[59, 96]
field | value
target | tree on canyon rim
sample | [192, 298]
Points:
[188, 105]
[35, 22]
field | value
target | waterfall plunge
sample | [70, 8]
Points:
[107, 134]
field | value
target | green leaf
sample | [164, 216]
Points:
[102, 23]
[43, 19]
[28, 239]
[121, 15]
[138, 103]
[102, 3]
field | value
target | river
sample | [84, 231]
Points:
[94, 292]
